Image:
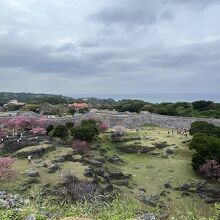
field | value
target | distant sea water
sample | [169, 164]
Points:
[155, 98]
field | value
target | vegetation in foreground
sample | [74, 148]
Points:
[102, 174]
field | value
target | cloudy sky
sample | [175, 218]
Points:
[110, 46]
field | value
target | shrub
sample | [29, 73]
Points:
[206, 147]
[3, 134]
[205, 128]
[80, 146]
[6, 171]
[60, 131]
[86, 131]
[69, 125]
[103, 127]
[210, 169]
[49, 128]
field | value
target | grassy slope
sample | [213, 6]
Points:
[176, 170]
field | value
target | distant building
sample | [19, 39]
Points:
[13, 105]
[80, 106]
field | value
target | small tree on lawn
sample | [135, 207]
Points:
[80, 146]
[210, 169]
[6, 171]
[103, 127]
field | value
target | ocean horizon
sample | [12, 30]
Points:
[155, 97]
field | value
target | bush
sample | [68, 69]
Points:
[203, 105]
[3, 134]
[69, 125]
[206, 147]
[80, 146]
[86, 131]
[49, 128]
[205, 128]
[103, 127]
[60, 131]
[6, 171]
[210, 169]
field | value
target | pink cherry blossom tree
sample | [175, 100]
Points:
[6, 171]
[103, 126]
[80, 146]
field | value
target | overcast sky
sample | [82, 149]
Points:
[110, 46]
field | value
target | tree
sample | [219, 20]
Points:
[210, 169]
[80, 146]
[6, 171]
[87, 130]
[60, 131]
[205, 128]
[203, 105]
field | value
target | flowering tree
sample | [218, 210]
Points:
[80, 146]
[103, 127]
[6, 171]
[2, 134]
[38, 131]
[210, 169]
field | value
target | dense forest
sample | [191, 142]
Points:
[202, 108]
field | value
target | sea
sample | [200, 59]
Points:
[156, 97]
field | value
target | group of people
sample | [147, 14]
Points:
[183, 131]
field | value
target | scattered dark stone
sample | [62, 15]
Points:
[149, 200]
[147, 216]
[94, 162]
[32, 173]
[100, 171]
[184, 194]
[142, 189]
[167, 185]
[163, 193]
[115, 159]
[53, 168]
[88, 173]
[161, 145]
[31, 217]
[169, 151]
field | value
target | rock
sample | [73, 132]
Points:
[117, 137]
[2, 193]
[147, 216]
[53, 168]
[184, 194]
[149, 200]
[161, 145]
[163, 193]
[88, 173]
[115, 159]
[135, 149]
[31, 217]
[117, 174]
[32, 173]
[100, 171]
[94, 162]
[169, 151]
[167, 185]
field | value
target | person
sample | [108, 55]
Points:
[29, 158]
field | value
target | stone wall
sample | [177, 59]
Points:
[132, 120]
